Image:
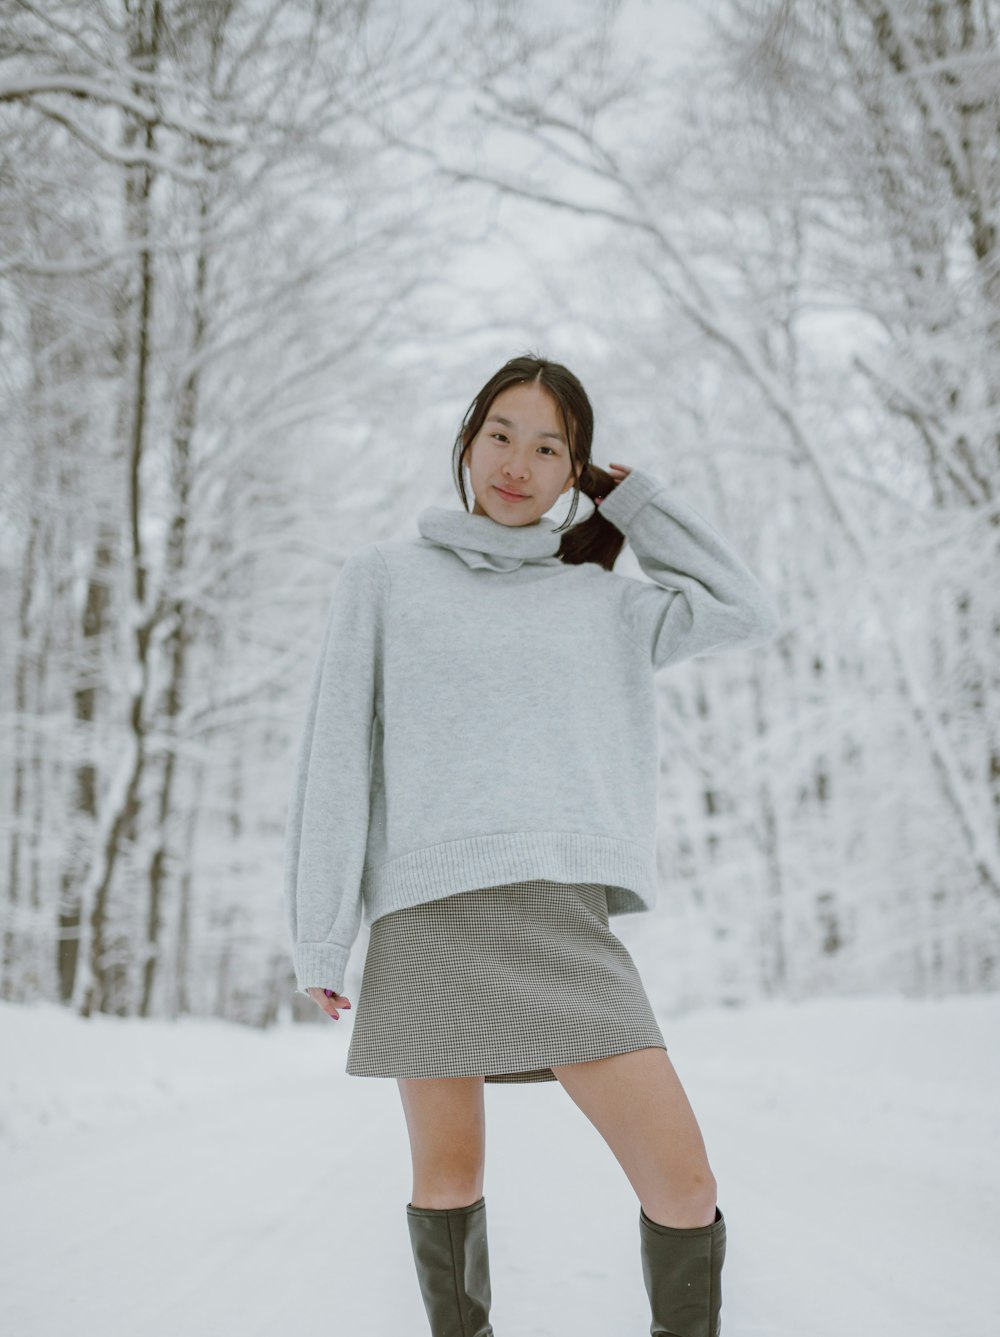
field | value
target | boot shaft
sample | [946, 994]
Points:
[451, 1254]
[682, 1269]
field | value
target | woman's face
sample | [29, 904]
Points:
[520, 448]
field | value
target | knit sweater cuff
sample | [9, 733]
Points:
[320, 965]
[629, 496]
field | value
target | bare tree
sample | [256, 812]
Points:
[235, 240]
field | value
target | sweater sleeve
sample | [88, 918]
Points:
[704, 598]
[327, 826]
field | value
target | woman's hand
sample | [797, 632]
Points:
[329, 1001]
[618, 472]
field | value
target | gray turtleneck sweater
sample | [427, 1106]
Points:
[482, 713]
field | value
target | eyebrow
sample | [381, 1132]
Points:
[495, 417]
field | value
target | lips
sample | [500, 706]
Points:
[511, 496]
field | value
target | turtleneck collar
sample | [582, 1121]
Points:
[484, 542]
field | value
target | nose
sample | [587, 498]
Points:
[516, 469]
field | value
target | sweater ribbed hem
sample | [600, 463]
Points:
[320, 965]
[627, 869]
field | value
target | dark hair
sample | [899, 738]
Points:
[594, 539]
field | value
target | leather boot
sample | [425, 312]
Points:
[682, 1270]
[453, 1267]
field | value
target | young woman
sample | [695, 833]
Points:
[477, 776]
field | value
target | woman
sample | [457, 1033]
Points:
[477, 776]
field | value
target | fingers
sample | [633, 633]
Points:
[332, 1001]
[329, 1001]
[618, 472]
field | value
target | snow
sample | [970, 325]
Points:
[202, 1178]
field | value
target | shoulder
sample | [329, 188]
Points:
[364, 560]
[381, 561]
[396, 550]
[363, 574]
[403, 557]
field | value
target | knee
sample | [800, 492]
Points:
[455, 1182]
[698, 1197]
[706, 1190]
[683, 1203]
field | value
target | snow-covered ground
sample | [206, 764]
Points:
[201, 1179]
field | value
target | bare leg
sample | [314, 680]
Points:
[637, 1104]
[446, 1121]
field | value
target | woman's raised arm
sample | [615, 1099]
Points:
[705, 598]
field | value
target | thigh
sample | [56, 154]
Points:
[638, 1105]
[446, 1122]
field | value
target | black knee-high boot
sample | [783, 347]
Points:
[451, 1254]
[682, 1270]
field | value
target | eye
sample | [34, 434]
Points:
[503, 434]
[548, 448]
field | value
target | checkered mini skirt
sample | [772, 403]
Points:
[499, 982]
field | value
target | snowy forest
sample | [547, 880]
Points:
[255, 259]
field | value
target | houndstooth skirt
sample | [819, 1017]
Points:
[500, 982]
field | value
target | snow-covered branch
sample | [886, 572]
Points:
[27, 87]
